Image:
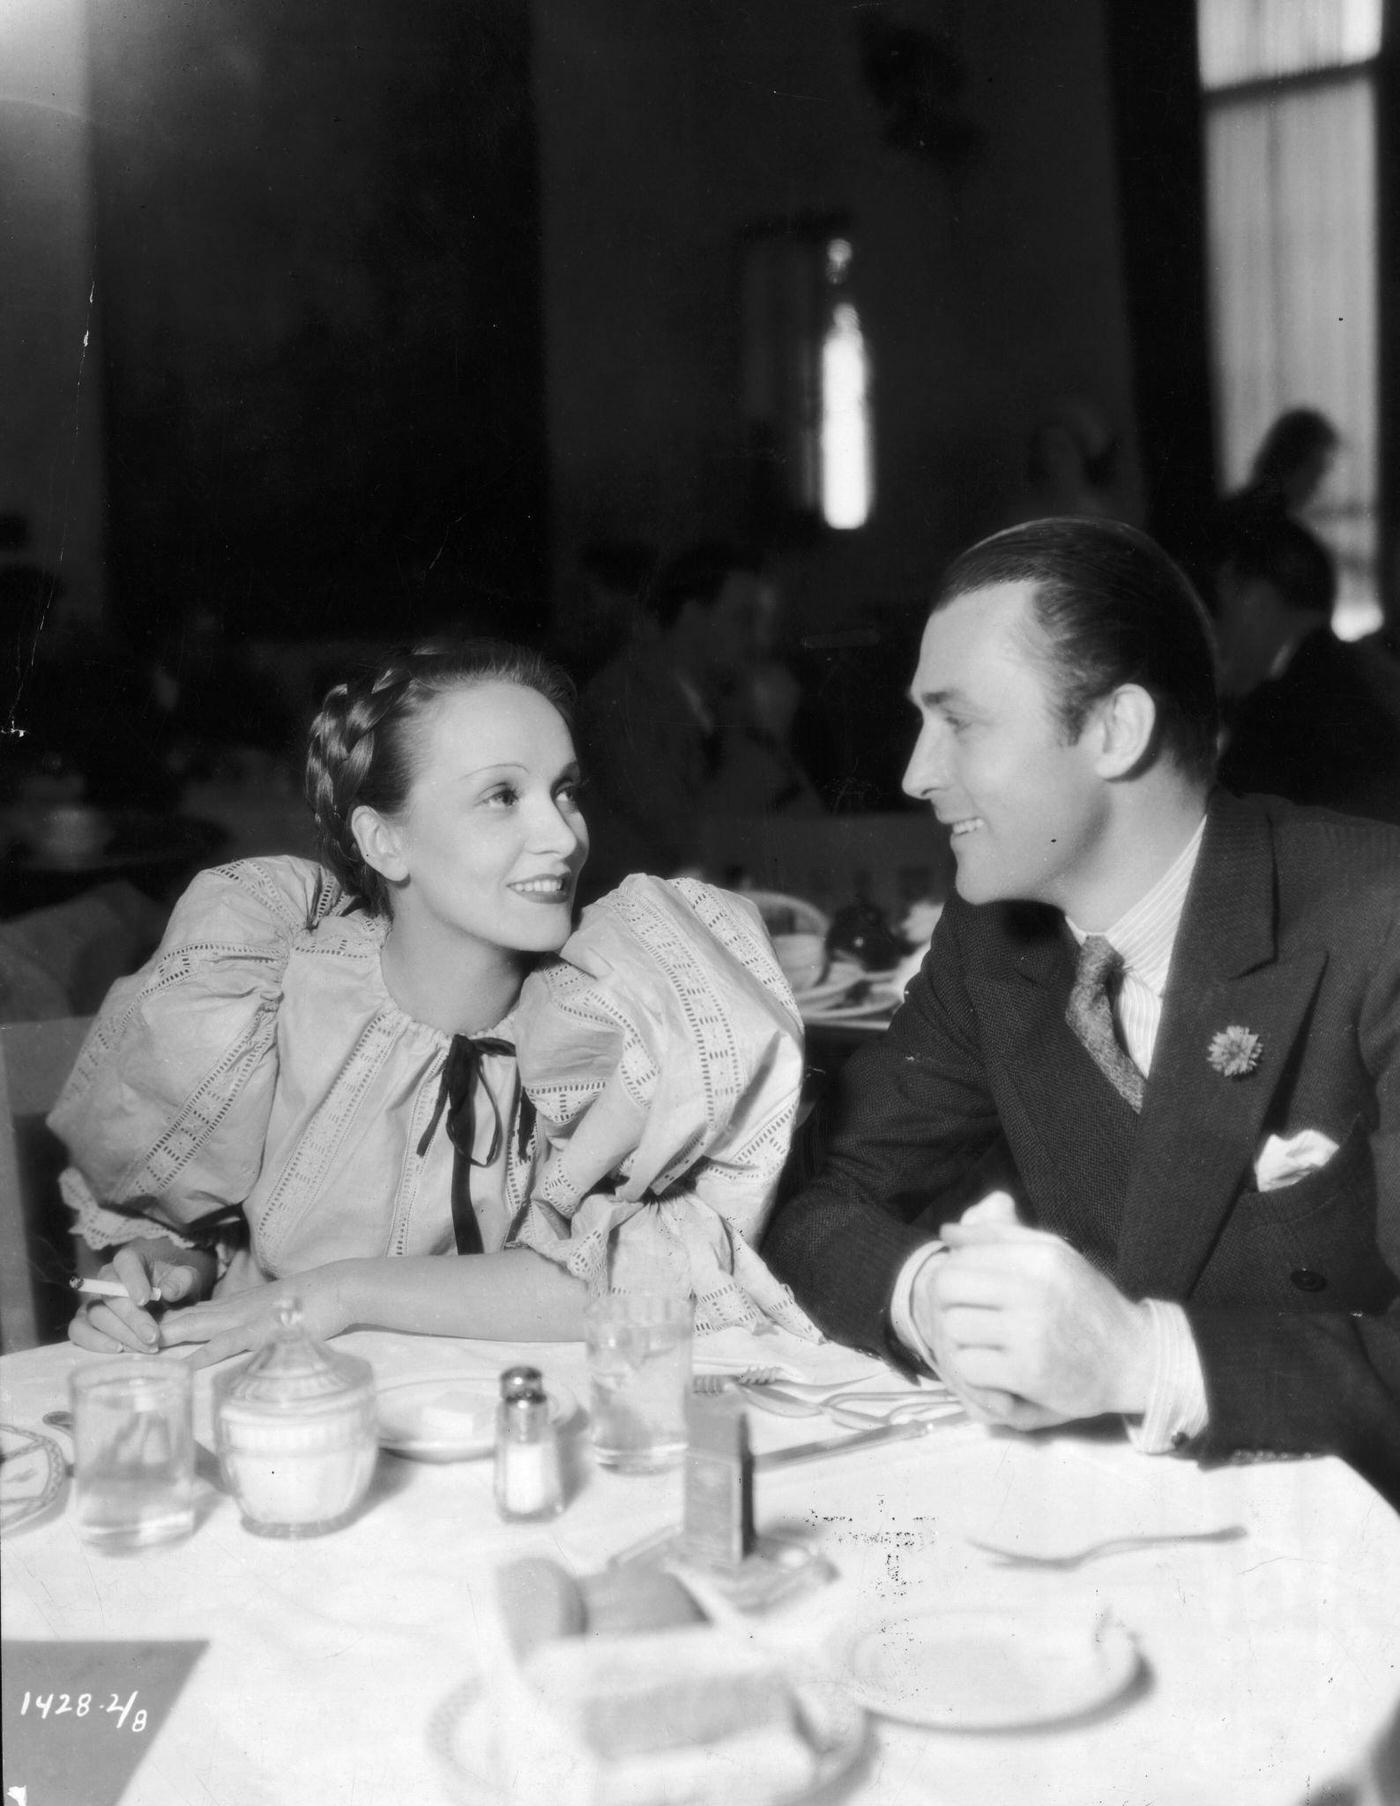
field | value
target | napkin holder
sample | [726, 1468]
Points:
[717, 1544]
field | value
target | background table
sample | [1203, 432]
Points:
[1272, 1663]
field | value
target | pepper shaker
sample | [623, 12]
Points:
[529, 1482]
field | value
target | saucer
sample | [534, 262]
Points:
[452, 1417]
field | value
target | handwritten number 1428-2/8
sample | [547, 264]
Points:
[80, 1705]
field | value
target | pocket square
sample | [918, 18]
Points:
[1284, 1162]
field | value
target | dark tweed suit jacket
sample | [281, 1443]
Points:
[1291, 929]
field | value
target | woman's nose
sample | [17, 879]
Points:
[560, 830]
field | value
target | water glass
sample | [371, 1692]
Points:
[133, 1452]
[639, 1379]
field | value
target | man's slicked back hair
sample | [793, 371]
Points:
[1112, 608]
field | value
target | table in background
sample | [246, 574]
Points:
[1270, 1662]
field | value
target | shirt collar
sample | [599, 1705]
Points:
[1146, 933]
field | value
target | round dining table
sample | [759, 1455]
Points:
[1254, 1608]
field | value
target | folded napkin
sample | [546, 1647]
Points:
[1282, 1163]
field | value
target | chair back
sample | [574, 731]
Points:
[37, 1248]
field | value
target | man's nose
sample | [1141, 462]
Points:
[926, 772]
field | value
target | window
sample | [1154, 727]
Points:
[806, 377]
[1290, 111]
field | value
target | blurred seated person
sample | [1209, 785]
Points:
[226, 716]
[597, 615]
[335, 1076]
[1072, 465]
[659, 722]
[1307, 716]
[1293, 458]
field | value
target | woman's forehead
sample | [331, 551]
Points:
[492, 723]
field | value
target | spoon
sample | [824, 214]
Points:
[1110, 1545]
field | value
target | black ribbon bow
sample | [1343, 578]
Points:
[456, 1096]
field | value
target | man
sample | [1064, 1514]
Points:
[1308, 716]
[650, 721]
[1168, 1018]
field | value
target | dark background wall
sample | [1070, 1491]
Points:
[990, 280]
[317, 248]
[395, 305]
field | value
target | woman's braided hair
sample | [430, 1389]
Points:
[362, 746]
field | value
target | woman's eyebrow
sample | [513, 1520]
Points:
[499, 765]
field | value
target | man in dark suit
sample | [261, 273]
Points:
[1167, 1020]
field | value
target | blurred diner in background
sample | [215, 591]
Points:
[687, 347]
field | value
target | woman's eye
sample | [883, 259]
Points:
[569, 793]
[504, 798]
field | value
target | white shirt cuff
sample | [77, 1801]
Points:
[902, 1303]
[1176, 1398]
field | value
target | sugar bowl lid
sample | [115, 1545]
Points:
[293, 1375]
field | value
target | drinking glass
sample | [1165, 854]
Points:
[133, 1452]
[639, 1379]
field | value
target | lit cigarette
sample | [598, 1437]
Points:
[107, 1288]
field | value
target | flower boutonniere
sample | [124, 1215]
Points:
[1234, 1052]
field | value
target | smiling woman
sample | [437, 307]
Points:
[313, 1087]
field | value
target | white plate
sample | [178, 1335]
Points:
[32, 1476]
[841, 974]
[880, 1000]
[462, 1736]
[986, 1671]
[452, 1417]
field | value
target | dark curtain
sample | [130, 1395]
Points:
[319, 249]
[1157, 124]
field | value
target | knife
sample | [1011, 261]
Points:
[837, 1445]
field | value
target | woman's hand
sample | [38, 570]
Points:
[155, 1271]
[245, 1320]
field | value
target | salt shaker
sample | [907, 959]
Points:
[529, 1483]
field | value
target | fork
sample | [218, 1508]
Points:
[759, 1392]
[774, 1376]
[1109, 1545]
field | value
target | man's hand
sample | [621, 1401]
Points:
[1025, 1330]
[155, 1272]
[245, 1320]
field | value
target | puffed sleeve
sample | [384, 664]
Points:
[165, 1113]
[663, 1054]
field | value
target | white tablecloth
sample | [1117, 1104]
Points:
[1272, 1663]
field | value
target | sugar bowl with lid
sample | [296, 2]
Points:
[297, 1433]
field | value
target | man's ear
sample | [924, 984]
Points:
[379, 842]
[1126, 722]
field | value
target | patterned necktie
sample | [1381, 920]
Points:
[1090, 1015]
[456, 1095]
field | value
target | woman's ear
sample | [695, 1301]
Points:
[1127, 722]
[380, 843]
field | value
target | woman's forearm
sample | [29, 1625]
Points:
[515, 1295]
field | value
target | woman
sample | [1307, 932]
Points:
[324, 1057]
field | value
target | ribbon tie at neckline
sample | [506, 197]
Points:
[456, 1094]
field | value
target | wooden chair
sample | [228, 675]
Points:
[38, 1253]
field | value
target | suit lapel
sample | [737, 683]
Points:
[1199, 1129]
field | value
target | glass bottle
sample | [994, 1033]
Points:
[529, 1480]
